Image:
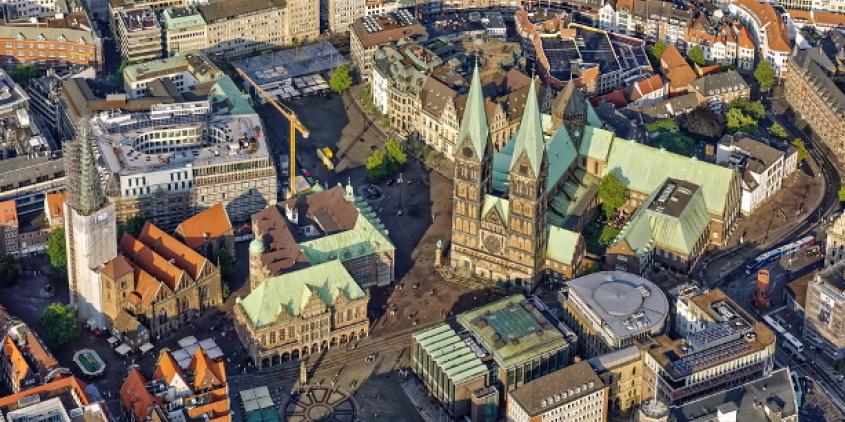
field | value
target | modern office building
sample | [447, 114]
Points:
[242, 27]
[312, 229]
[824, 311]
[571, 394]
[138, 33]
[301, 312]
[448, 365]
[183, 30]
[520, 339]
[722, 347]
[611, 310]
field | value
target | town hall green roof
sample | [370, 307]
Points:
[291, 292]
[367, 237]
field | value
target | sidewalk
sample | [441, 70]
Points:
[429, 411]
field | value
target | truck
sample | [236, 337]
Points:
[325, 155]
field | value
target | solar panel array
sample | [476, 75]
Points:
[697, 361]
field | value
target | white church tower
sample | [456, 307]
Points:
[90, 228]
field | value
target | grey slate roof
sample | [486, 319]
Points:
[720, 83]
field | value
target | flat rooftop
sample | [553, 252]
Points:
[673, 198]
[513, 330]
[195, 62]
[291, 63]
[139, 19]
[625, 303]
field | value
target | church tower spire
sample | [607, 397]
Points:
[474, 126]
[529, 139]
[86, 192]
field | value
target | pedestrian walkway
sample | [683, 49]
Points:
[428, 409]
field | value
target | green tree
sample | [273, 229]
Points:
[341, 79]
[61, 324]
[56, 250]
[802, 149]
[662, 125]
[117, 76]
[132, 226]
[755, 109]
[376, 165]
[704, 122]
[612, 193]
[396, 157]
[9, 270]
[841, 194]
[778, 131]
[765, 76]
[696, 55]
[737, 121]
[23, 74]
[676, 142]
[656, 51]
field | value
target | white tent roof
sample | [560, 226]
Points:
[123, 349]
[187, 341]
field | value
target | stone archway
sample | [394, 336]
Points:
[296, 354]
[285, 356]
[265, 362]
[275, 360]
[344, 338]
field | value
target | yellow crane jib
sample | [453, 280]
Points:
[293, 123]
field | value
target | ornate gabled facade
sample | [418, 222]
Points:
[301, 312]
[158, 281]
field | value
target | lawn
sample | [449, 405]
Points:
[598, 237]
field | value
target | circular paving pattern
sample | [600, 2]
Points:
[320, 404]
[619, 299]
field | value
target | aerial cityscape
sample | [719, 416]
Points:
[422, 210]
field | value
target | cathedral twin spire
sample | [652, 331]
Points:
[474, 122]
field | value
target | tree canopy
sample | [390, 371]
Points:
[662, 125]
[704, 122]
[802, 149]
[61, 324]
[225, 262]
[737, 121]
[56, 250]
[23, 74]
[132, 226]
[385, 162]
[376, 165]
[765, 75]
[341, 79]
[696, 55]
[9, 270]
[656, 51]
[612, 193]
[778, 131]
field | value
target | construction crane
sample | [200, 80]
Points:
[293, 122]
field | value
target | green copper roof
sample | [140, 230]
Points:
[511, 332]
[367, 237]
[174, 64]
[529, 138]
[449, 352]
[291, 292]
[562, 245]
[562, 154]
[596, 143]
[643, 169]
[226, 90]
[256, 246]
[501, 204]
[648, 228]
[171, 22]
[593, 117]
[474, 122]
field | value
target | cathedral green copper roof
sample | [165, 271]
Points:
[449, 352]
[596, 143]
[649, 228]
[529, 138]
[474, 121]
[643, 169]
[561, 245]
[291, 292]
[502, 206]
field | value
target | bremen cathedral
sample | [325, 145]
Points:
[518, 212]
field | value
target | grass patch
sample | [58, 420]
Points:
[598, 237]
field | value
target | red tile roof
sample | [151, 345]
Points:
[20, 368]
[207, 373]
[675, 68]
[167, 368]
[170, 248]
[54, 386]
[205, 226]
[8, 214]
[56, 204]
[149, 261]
[135, 396]
[776, 35]
[646, 86]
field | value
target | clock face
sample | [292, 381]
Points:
[493, 244]
[467, 151]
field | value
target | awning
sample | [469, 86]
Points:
[123, 349]
[146, 347]
[113, 340]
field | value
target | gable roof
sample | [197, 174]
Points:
[290, 292]
[776, 35]
[150, 262]
[675, 67]
[529, 138]
[20, 368]
[562, 245]
[474, 121]
[209, 224]
[646, 86]
[167, 246]
[117, 267]
[167, 368]
[134, 395]
[207, 373]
